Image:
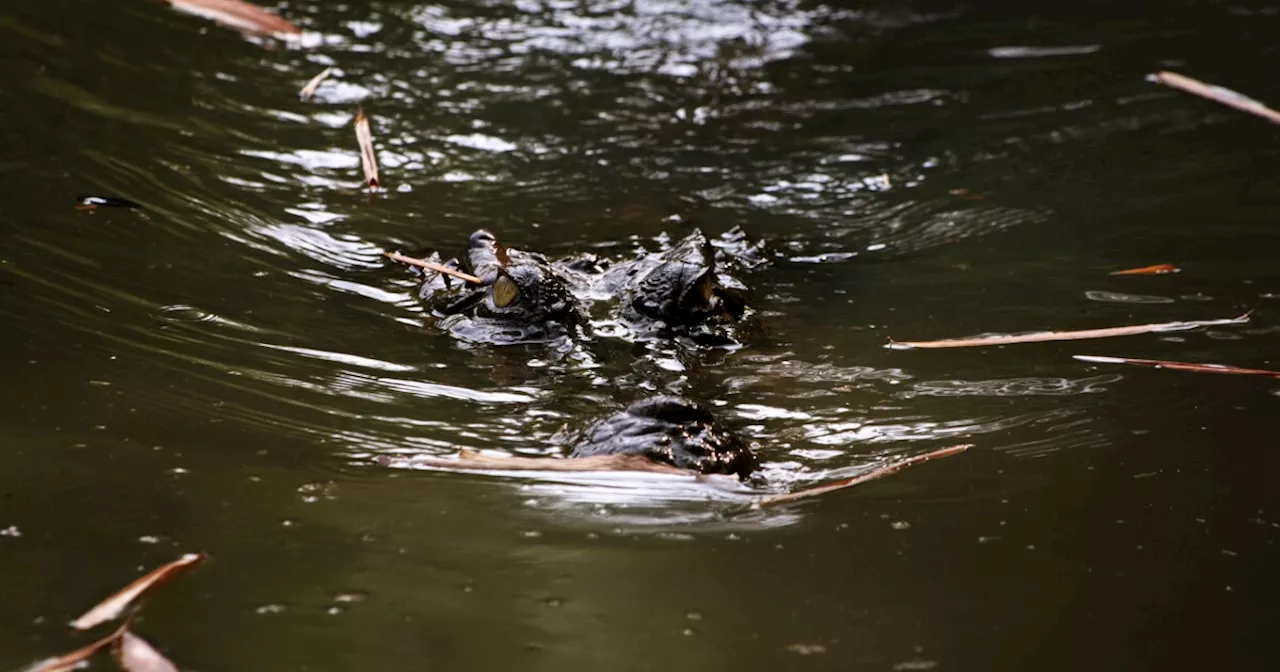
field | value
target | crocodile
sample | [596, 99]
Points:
[684, 291]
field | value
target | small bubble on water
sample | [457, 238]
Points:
[532, 534]
[553, 601]
[688, 632]
[348, 598]
[333, 611]
[11, 531]
[806, 649]
[693, 616]
[149, 539]
[269, 609]
[900, 525]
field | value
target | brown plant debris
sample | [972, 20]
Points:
[470, 459]
[113, 606]
[869, 476]
[311, 87]
[368, 160]
[431, 265]
[134, 654]
[1157, 269]
[1179, 366]
[239, 15]
[1042, 336]
[1215, 93]
[77, 658]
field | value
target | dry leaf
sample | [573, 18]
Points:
[1216, 93]
[113, 606]
[78, 657]
[431, 265]
[310, 89]
[1158, 269]
[470, 459]
[856, 480]
[135, 655]
[1042, 336]
[368, 160]
[1179, 366]
[239, 15]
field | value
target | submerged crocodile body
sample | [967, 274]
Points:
[669, 430]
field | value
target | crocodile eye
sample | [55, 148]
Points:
[702, 291]
[505, 292]
[707, 286]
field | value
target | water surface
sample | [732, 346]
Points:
[235, 368]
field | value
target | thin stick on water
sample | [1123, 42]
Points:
[433, 266]
[1042, 336]
[857, 480]
[1215, 93]
[472, 460]
[1179, 366]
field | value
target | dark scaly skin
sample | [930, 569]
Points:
[680, 292]
[671, 430]
[543, 309]
[677, 292]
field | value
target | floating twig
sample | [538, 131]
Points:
[1215, 93]
[113, 606]
[77, 658]
[310, 89]
[433, 266]
[368, 160]
[1158, 269]
[856, 480]
[1042, 336]
[1179, 366]
[470, 459]
[135, 655]
[240, 15]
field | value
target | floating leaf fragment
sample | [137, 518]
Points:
[1157, 269]
[113, 606]
[95, 202]
[77, 658]
[239, 15]
[368, 160]
[967, 195]
[869, 476]
[1179, 366]
[135, 655]
[310, 89]
[470, 459]
[1215, 93]
[1042, 336]
[431, 265]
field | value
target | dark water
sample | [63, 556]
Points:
[220, 370]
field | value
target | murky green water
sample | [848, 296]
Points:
[236, 369]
